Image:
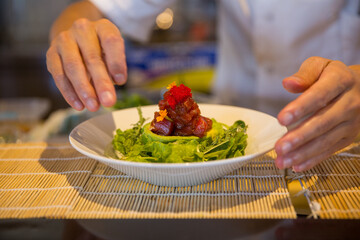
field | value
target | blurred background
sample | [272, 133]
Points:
[182, 48]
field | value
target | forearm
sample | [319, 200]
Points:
[82, 9]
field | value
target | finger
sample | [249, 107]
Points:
[333, 81]
[318, 124]
[114, 50]
[54, 65]
[311, 162]
[311, 149]
[309, 72]
[75, 70]
[90, 49]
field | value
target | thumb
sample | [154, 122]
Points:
[309, 72]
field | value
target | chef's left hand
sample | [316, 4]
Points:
[331, 97]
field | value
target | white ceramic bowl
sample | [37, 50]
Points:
[93, 136]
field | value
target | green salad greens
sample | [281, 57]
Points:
[139, 144]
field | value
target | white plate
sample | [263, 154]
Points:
[93, 136]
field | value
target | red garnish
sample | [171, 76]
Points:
[178, 94]
[171, 101]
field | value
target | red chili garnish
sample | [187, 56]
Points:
[178, 94]
[171, 101]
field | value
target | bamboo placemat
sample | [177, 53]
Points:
[332, 188]
[55, 181]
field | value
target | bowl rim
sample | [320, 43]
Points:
[112, 161]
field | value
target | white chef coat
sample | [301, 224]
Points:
[260, 42]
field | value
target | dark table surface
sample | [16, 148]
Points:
[244, 229]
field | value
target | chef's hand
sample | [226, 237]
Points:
[331, 96]
[85, 61]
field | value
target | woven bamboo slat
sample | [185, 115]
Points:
[55, 181]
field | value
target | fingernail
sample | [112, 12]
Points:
[91, 104]
[107, 98]
[78, 105]
[285, 147]
[287, 118]
[119, 78]
[297, 79]
[287, 162]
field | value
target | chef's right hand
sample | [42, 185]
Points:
[85, 61]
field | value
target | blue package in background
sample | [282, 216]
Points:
[155, 66]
